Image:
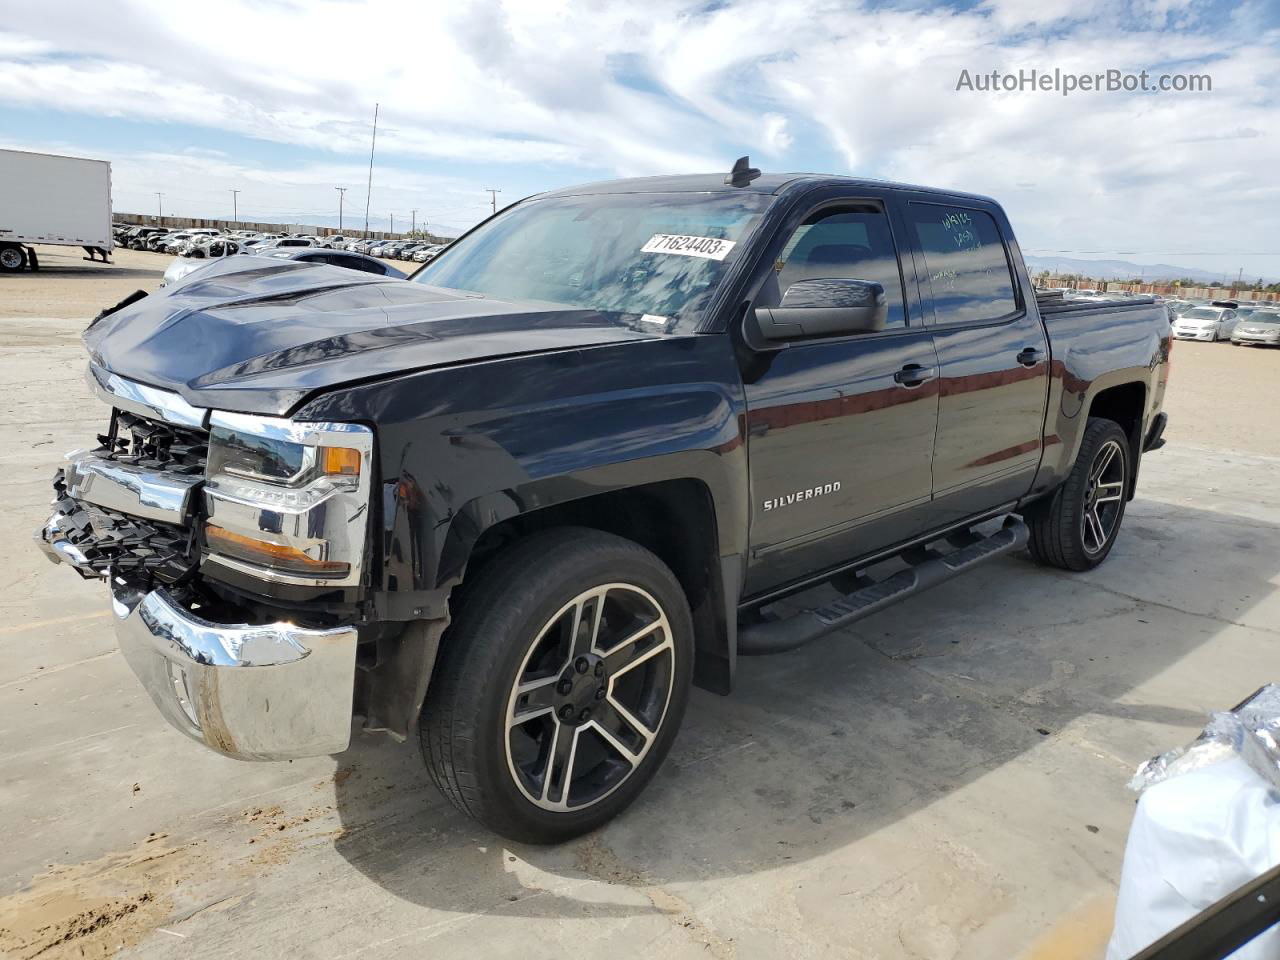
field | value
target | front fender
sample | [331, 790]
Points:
[467, 447]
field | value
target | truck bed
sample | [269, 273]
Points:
[1053, 304]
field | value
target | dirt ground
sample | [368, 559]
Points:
[947, 780]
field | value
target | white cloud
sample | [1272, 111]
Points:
[539, 85]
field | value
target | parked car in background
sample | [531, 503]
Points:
[1210, 323]
[407, 250]
[284, 242]
[257, 241]
[428, 253]
[214, 247]
[159, 243]
[173, 243]
[1260, 329]
[335, 242]
[1246, 309]
[136, 239]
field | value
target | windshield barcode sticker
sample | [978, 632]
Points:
[709, 248]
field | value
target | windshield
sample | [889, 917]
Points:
[1203, 313]
[1264, 316]
[656, 256]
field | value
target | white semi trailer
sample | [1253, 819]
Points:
[48, 199]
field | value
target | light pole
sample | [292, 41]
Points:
[368, 193]
[393, 224]
[160, 204]
[413, 222]
[493, 196]
[235, 206]
[342, 195]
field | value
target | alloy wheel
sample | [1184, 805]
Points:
[1103, 496]
[11, 258]
[590, 697]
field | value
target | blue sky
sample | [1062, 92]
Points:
[274, 98]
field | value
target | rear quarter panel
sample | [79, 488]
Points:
[1093, 350]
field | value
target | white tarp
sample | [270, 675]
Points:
[1207, 823]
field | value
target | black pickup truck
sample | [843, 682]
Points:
[526, 498]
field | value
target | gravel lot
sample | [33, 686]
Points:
[947, 780]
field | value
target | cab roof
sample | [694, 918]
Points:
[768, 183]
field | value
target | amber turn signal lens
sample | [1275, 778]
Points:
[274, 555]
[340, 461]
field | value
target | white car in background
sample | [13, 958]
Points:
[1261, 328]
[1205, 323]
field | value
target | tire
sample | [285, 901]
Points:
[525, 623]
[13, 259]
[1062, 532]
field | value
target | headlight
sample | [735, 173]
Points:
[288, 501]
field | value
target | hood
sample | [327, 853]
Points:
[260, 340]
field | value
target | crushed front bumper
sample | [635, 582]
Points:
[270, 692]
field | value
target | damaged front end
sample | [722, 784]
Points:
[251, 680]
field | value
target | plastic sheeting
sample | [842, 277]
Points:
[1208, 822]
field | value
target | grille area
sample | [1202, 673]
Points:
[154, 444]
[114, 542]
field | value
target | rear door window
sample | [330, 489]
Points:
[966, 269]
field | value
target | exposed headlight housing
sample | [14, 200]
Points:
[288, 501]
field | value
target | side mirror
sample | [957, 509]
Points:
[825, 308]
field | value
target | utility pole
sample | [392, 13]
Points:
[393, 224]
[235, 206]
[160, 203]
[493, 195]
[413, 222]
[368, 193]
[342, 195]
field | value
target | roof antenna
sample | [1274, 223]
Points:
[742, 173]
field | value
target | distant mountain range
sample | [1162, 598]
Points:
[1127, 270]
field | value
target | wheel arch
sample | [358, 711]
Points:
[676, 520]
[1125, 404]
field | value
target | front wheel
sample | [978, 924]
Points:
[1076, 527]
[560, 686]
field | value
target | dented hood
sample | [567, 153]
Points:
[259, 338]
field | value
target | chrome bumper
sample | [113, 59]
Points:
[271, 692]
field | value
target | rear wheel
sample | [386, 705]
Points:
[560, 686]
[12, 259]
[1075, 528]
